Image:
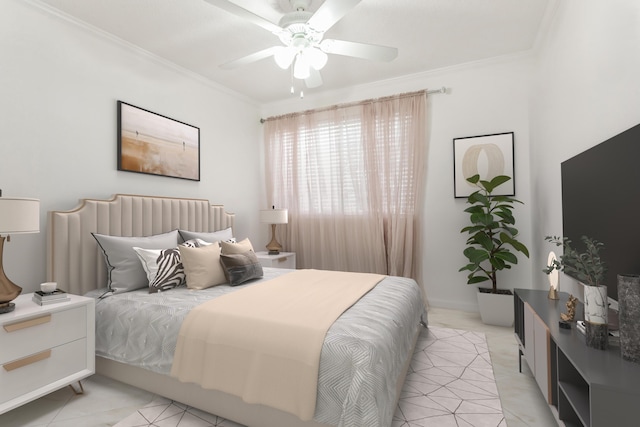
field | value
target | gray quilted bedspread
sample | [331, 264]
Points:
[362, 356]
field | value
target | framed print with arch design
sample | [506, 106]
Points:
[486, 155]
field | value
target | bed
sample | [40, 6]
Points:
[365, 355]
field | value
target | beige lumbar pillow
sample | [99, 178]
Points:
[229, 248]
[202, 266]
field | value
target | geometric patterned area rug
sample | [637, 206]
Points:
[450, 384]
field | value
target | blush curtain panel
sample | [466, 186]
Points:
[352, 177]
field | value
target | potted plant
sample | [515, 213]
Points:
[490, 247]
[588, 268]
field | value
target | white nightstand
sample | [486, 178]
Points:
[44, 348]
[282, 260]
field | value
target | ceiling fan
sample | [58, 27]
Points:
[301, 34]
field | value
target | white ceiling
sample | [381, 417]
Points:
[429, 34]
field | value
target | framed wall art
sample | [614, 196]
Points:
[153, 144]
[486, 155]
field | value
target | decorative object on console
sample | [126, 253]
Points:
[570, 315]
[491, 233]
[17, 216]
[553, 275]
[274, 216]
[153, 144]
[629, 311]
[589, 268]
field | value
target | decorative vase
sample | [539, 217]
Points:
[596, 310]
[629, 316]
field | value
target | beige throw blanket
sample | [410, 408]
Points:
[263, 343]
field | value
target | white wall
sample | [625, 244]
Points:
[483, 98]
[586, 90]
[59, 83]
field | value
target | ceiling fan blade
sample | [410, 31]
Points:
[246, 15]
[256, 56]
[314, 79]
[330, 12]
[359, 50]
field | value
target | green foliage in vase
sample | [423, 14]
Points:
[588, 266]
[492, 233]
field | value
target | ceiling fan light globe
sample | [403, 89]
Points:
[284, 56]
[301, 67]
[317, 58]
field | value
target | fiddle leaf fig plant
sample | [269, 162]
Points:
[588, 267]
[492, 234]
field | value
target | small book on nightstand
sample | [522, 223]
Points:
[44, 298]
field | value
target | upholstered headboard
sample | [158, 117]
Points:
[74, 259]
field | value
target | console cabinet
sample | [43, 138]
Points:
[584, 386]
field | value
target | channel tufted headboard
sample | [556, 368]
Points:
[74, 259]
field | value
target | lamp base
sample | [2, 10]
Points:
[8, 290]
[7, 307]
[274, 247]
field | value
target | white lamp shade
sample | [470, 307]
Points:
[317, 58]
[19, 215]
[284, 56]
[301, 67]
[274, 216]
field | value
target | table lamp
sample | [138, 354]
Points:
[274, 216]
[552, 260]
[17, 216]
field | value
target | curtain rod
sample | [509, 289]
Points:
[443, 89]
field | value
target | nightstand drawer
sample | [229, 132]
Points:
[41, 332]
[281, 260]
[29, 373]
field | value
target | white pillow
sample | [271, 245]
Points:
[202, 266]
[213, 237]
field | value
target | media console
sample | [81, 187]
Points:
[583, 386]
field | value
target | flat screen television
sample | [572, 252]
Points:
[601, 199]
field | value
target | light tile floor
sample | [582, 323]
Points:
[106, 402]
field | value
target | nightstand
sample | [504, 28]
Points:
[45, 348]
[282, 260]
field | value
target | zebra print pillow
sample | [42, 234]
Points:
[163, 266]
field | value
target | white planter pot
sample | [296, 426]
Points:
[496, 309]
[596, 304]
[596, 317]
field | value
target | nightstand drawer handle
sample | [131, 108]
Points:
[27, 323]
[27, 360]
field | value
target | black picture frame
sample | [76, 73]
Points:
[487, 155]
[153, 144]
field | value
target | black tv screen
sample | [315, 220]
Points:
[601, 199]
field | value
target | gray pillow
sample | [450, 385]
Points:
[216, 236]
[239, 268]
[125, 272]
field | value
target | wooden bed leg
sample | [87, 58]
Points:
[76, 392]
[423, 323]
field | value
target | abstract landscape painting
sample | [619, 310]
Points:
[154, 144]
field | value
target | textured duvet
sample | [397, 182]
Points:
[361, 359]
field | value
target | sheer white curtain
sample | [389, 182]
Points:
[352, 177]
